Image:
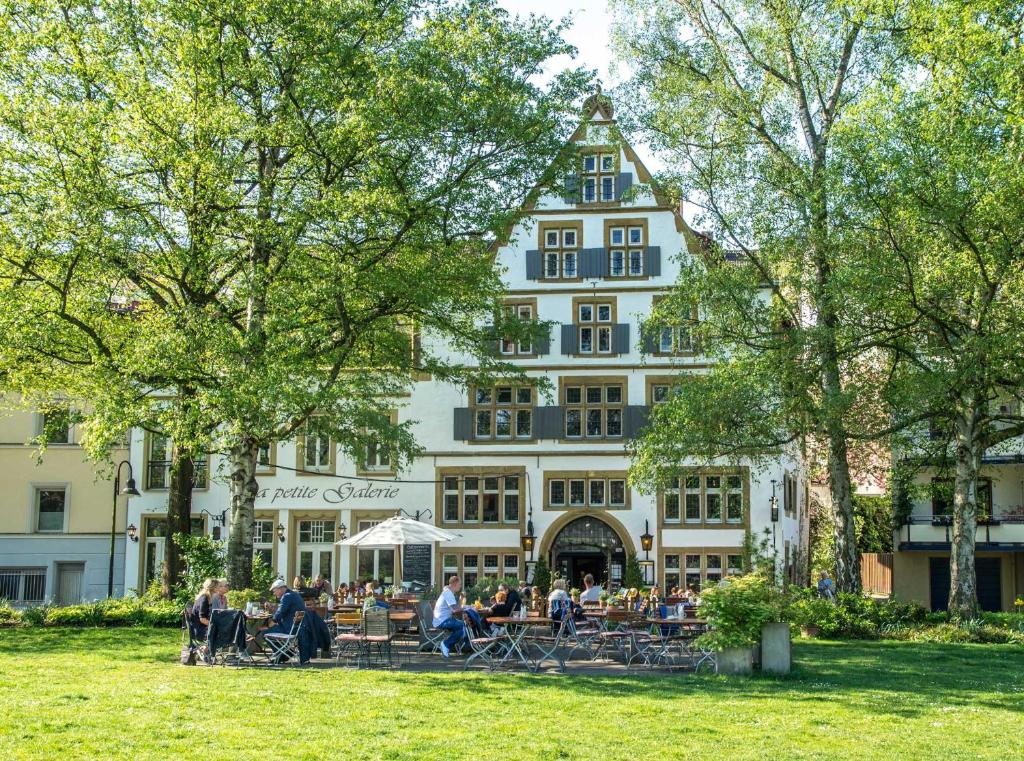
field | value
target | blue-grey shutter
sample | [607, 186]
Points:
[624, 185]
[620, 338]
[569, 335]
[651, 338]
[572, 189]
[543, 343]
[547, 422]
[597, 262]
[652, 260]
[533, 265]
[491, 340]
[583, 263]
[634, 419]
[463, 423]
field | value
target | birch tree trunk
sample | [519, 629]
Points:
[179, 519]
[963, 583]
[244, 487]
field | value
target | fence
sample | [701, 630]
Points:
[876, 572]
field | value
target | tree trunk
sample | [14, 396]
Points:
[179, 519]
[847, 578]
[963, 583]
[244, 487]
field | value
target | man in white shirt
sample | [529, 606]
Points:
[591, 593]
[448, 615]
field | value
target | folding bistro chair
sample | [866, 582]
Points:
[377, 634]
[481, 646]
[349, 635]
[429, 635]
[550, 645]
[582, 636]
[282, 645]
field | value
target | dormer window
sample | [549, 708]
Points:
[599, 177]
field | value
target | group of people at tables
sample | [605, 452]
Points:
[213, 596]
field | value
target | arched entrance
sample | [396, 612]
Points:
[588, 545]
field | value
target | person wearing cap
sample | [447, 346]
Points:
[288, 604]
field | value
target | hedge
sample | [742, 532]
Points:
[116, 612]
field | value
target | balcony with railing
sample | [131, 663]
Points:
[158, 474]
[999, 530]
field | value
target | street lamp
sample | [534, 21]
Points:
[133, 533]
[528, 538]
[646, 542]
[129, 491]
[280, 532]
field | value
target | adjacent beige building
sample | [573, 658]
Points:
[55, 513]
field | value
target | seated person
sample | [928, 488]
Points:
[448, 615]
[341, 594]
[322, 586]
[558, 600]
[591, 592]
[515, 602]
[220, 598]
[202, 608]
[288, 604]
[502, 607]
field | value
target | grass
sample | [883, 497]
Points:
[119, 694]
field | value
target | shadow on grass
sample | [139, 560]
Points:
[908, 679]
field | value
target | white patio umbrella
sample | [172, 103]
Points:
[399, 531]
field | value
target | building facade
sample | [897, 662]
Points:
[923, 536]
[55, 514]
[502, 460]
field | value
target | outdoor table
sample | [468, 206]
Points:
[519, 627]
[665, 640]
[252, 625]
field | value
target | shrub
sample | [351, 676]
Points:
[736, 610]
[163, 613]
[8, 615]
[35, 615]
[237, 598]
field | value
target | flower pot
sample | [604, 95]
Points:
[736, 660]
[809, 631]
[776, 648]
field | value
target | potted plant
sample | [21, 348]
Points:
[737, 612]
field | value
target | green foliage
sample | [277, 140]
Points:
[127, 611]
[8, 615]
[738, 607]
[203, 558]
[633, 577]
[542, 576]
[854, 616]
[485, 589]
[873, 518]
[35, 615]
[237, 598]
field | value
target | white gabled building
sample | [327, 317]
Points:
[499, 460]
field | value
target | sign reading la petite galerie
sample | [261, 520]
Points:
[337, 496]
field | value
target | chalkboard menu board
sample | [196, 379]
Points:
[416, 563]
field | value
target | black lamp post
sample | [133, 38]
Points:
[646, 542]
[773, 503]
[528, 539]
[129, 491]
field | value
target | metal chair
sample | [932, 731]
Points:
[348, 636]
[481, 646]
[429, 635]
[377, 634]
[550, 645]
[282, 644]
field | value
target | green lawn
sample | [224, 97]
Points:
[118, 693]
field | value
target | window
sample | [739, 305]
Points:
[672, 502]
[511, 496]
[503, 412]
[511, 565]
[263, 534]
[55, 426]
[470, 570]
[509, 347]
[449, 565]
[713, 568]
[733, 565]
[158, 461]
[594, 328]
[266, 458]
[560, 243]
[375, 457]
[51, 507]
[599, 177]
[693, 567]
[626, 240]
[942, 497]
[481, 499]
[316, 532]
[713, 499]
[586, 490]
[316, 447]
[23, 585]
[677, 337]
[660, 393]
[692, 484]
[491, 566]
[734, 499]
[671, 572]
[594, 411]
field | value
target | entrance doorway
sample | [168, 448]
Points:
[589, 545]
[69, 583]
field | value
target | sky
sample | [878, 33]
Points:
[589, 33]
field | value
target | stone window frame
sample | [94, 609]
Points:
[583, 382]
[724, 472]
[460, 474]
[587, 476]
[560, 225]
